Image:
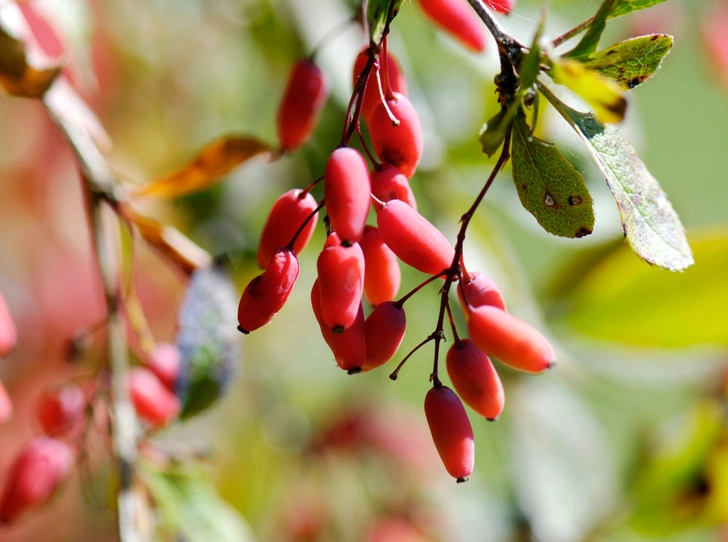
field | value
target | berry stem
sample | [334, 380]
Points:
[300, 229]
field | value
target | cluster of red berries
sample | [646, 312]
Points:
[360, 261]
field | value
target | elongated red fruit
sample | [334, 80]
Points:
[413, 238]
[501, 6]
[510, 339]
[6, 404]
[266, 294]
[451, 431]
[61, 410]
[152, 401]
[388, 183]
[349, 347]
[8, 333]
[287, 215]
[392, 80]
[475, 379]
[346, 192]
[35, 476]
[384, 329]
[382, 275]
[302, 102]
[478, 289]
[341, 276]
[397, 144]
[458, 19]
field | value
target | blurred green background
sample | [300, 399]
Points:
[624, 441]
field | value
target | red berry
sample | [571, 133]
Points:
[388, 183]
[458, 19]
[266, 294]
[475, 379]
[8, 333]
[509, 339]
[501, 6]
[349, 347]
[341, 277]
[165, 364]
[413, 239]
[476, 289]
[451, 431]
[152, 401]
[401, 144]
[384, 329]
[6, 404]
[288, 214]
[346, 192]
[61, 410]
[381, 268]
[301, 105]
[392, 80]
[34, 476]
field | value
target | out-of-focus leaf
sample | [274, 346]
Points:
[189, 508]
[172, 243]
[207, 339]
[134, 310]
[650, 224]
[633, 61]
[549, 186]
[602, 94]
[377, 12]
[590, 41]
[619, 299]
[623, 7]
[212, 162]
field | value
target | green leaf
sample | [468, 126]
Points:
[590, 41]
[633, 61]
[620, 299]
[207, 339]
[650, 224]
[377, 12]
[623, 7]
[494, 132]
[549, 186]
[531, 64]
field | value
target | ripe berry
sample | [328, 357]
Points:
[501, 6]
[458, 19]
[475, 379]
[301, 105]
[384, 329]
[164, 362]
[451, 431]
[476, 289]
[401, 144]
[382, 275]
[392, 80]
[266, 294]
[152, 401]
[34, 476]
[341, 277]
[8, 333]
[285, 218]
[61, 410]
[6, 404]
[413, 239]
[388, 183]
[346, 192]
[509, 339]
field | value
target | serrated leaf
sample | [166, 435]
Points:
[548, 185]
[633, 61]
[602, 94]
[590, 41]
[215, 160]
[623, 7]
[377, 13]
[207, 339]
[650, 224]
[494, 132]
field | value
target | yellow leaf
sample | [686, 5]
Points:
[602, 94]
[214, 160]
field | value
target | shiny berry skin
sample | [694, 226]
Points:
[266, 294]
[401, 144]
[60, 410]
[392, 80]
[6, 404]
[341, 277]
[35, 476]
[416, 242]
[8, 333]
[382, 275]
[287, 215]
[475, 379]
[451, 431]
[346, 193]
[384, 329]
[478, 289]
[164, 362]
[458, 19]
[388, 183]
[152, 401]
[512, 341]
[302, 102]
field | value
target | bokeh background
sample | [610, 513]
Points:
[626, 440]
